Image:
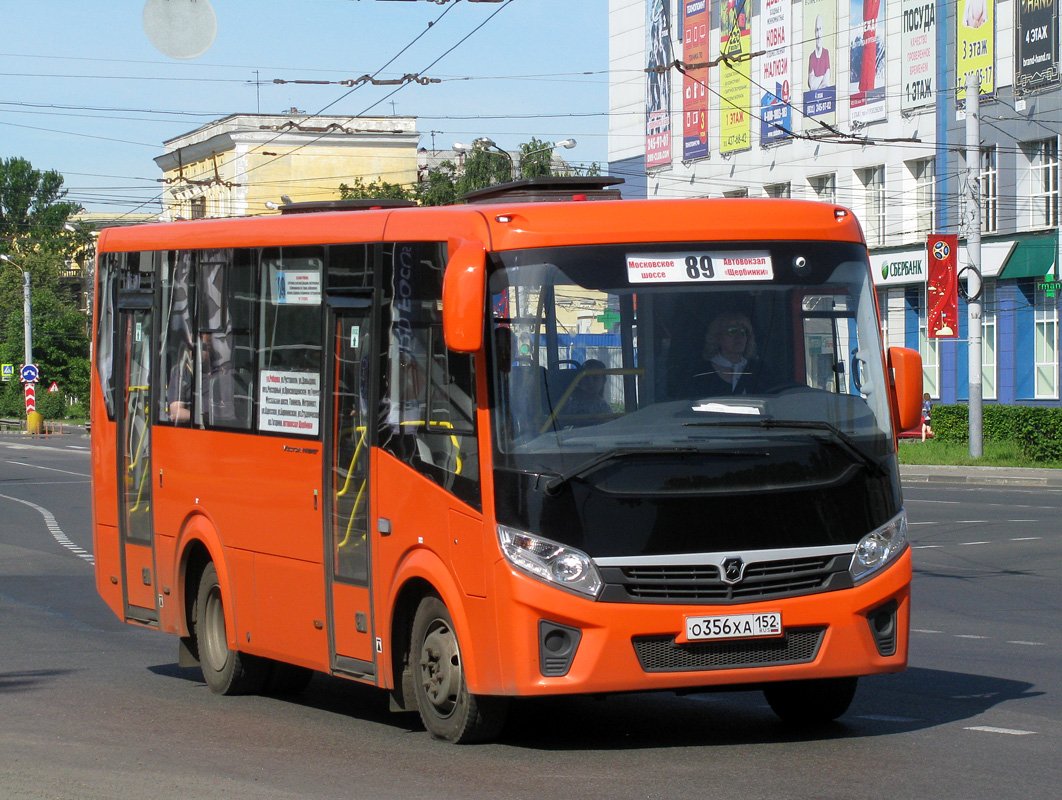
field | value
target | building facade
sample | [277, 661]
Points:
[247, 163]
[861, 103]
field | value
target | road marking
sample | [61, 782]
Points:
[1026, 538]
[970, 544]
[885, 718]
[990, 729]
[971, 521]
[50, 469]
[76, 447]
[1028, 644]
[968, 636]
[917, 630]
[55, 530]
[926, 546]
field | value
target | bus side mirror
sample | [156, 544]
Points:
[464, 291]
[905, 368]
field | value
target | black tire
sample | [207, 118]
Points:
[811, 702]
[287, 679]
[225, 671]
[446, 708]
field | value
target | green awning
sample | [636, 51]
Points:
[1032, 257]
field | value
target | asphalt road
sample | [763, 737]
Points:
[93, 708]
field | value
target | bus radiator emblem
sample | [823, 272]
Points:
[733, 568]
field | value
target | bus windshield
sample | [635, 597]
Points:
[692, 368]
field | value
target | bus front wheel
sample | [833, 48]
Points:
[811, 702]
[446, 707]
[225, 671]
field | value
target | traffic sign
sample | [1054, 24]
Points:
[30, 373]
[8, 371]
[54, 387]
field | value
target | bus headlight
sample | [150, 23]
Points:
[879, 547]
[550, 562]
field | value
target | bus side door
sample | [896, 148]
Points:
[347, 534]
[135, 519]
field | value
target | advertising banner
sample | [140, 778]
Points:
[918, 54]
[735, 76]
[695, 25]
[1036, 45]
[942, 286]
[976, 45]
[820, 74]
[776, 115]
[658, 84]
[866, 70]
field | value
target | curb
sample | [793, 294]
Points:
[982, 476]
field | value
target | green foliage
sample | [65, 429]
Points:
[31, 203]
[536, 159]
[484, 168]
[1036, 431]
[377, 190]
[32, 219]
[440, 189]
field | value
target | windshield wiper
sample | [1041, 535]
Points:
[842, 439]
[557, 481]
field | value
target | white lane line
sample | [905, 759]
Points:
[50, 469]
[971, 544]
[969, 636]
[990, 729]
[918, 630]
[926, 546]
[1028, 644]
[885, 718]
[1027, 539]
[76, 447]
[55, 530]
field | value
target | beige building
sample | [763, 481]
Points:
[247, 164]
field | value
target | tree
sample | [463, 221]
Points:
[31, 204]
[440, 189]
[379, 189]
[33, 215]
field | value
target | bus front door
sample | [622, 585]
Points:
[134, 465]
[348, 535]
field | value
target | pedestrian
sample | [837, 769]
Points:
[927, 408]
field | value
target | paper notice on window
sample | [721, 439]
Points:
[296, 287]
[289, 402]
[701, 267]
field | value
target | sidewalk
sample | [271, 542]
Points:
[981, 476]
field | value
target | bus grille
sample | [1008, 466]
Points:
[762, 580]
[663, 654]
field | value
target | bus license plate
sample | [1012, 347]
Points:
[734, 626]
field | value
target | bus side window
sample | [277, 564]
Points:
[428, 412]
[109, 268]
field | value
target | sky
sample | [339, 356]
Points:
[83, 90]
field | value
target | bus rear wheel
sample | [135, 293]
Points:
[225, 671]
[811, 702]
[446, 707]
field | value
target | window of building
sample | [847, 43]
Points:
[1045, 346]
[874, 205]
[989, 178]
[197, 208]
[923, 176]
[824, 187]
[778, 189]
[743, 192]
[1043, 174]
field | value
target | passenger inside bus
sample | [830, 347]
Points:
[731, 365]
[588, 392]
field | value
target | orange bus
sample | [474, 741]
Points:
[545, 442]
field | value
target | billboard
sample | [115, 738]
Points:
[735, 73]
[820, 74]
[776, 115]
[695, 26]
[658, 84]
[942, 286]
[918, 54]
[866, 65]
[975, 46]
[1036, 45]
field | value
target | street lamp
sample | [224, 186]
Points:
[27, 308]
[33, 419]
[486, 141]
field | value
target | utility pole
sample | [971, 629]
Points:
[973, 256]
